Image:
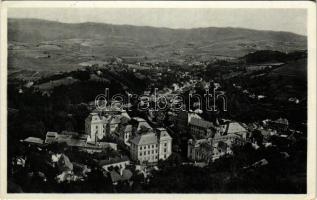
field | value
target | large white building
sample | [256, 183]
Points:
[104, 122]
[95, 127]
[150, 146]
[209, 149]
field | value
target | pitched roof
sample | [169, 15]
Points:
[144, 126]
[115, 119]
[34, 140]
[148, 138]
[234, 127]
[128, 128]
[281, 121]
[138, 119]
[49, 133]
[94, 117]
[126, 174]
[200, 122]
[113, 160]
[115, 177]
[163, 134]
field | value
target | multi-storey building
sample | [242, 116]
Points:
[201, 128]
[151, 146]
[211, 148]
[104, 122]
[183, 119]
[165, 143]
[95, 127]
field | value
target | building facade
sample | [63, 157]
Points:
[151, 146]
[95, 127]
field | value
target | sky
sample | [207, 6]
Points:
[276, 19]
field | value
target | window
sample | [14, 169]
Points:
[140, 153]
[144, 152]
[141, 148]
[156, 151]
[144, 146]
[164, 156]
[165, 144]
[152, 145]
[164, 150]
[149, 152]
[152, 151]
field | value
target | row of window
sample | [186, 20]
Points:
[149, 158]
[149, 152]
[148, 146]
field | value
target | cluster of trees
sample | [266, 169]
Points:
[273, 56]
[233, 174]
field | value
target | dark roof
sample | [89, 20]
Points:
[281, 121]
[115, 176]
[126, 174]
[147, 138]
[68, 133]
[200, 122]
[113, 160]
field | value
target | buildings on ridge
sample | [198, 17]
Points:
[147, 145]
[219, 144]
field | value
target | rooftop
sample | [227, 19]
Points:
[200, 122]
[113, 160]
[138, 119]
[234, 127]
[34, 140]
[148, 138]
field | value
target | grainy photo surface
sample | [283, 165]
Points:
[157, 100]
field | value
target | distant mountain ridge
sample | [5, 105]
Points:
[100, 40]
[88, 29]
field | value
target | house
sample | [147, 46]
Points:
[165, 143]
[124, 133]
[149, 146]
[280, 124]
[104, 122]
[144, 148]
[183, 119]
[117, 177]
[95, 127]
[33, 140]
[205, 150]
[231, 133]
[51, 137]
[200, 128]
[234, 128]
[200, 150]
[139, 124]
[120, 162]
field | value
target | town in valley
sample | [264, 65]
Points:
[64, 138]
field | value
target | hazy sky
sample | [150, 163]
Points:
[276, 19]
